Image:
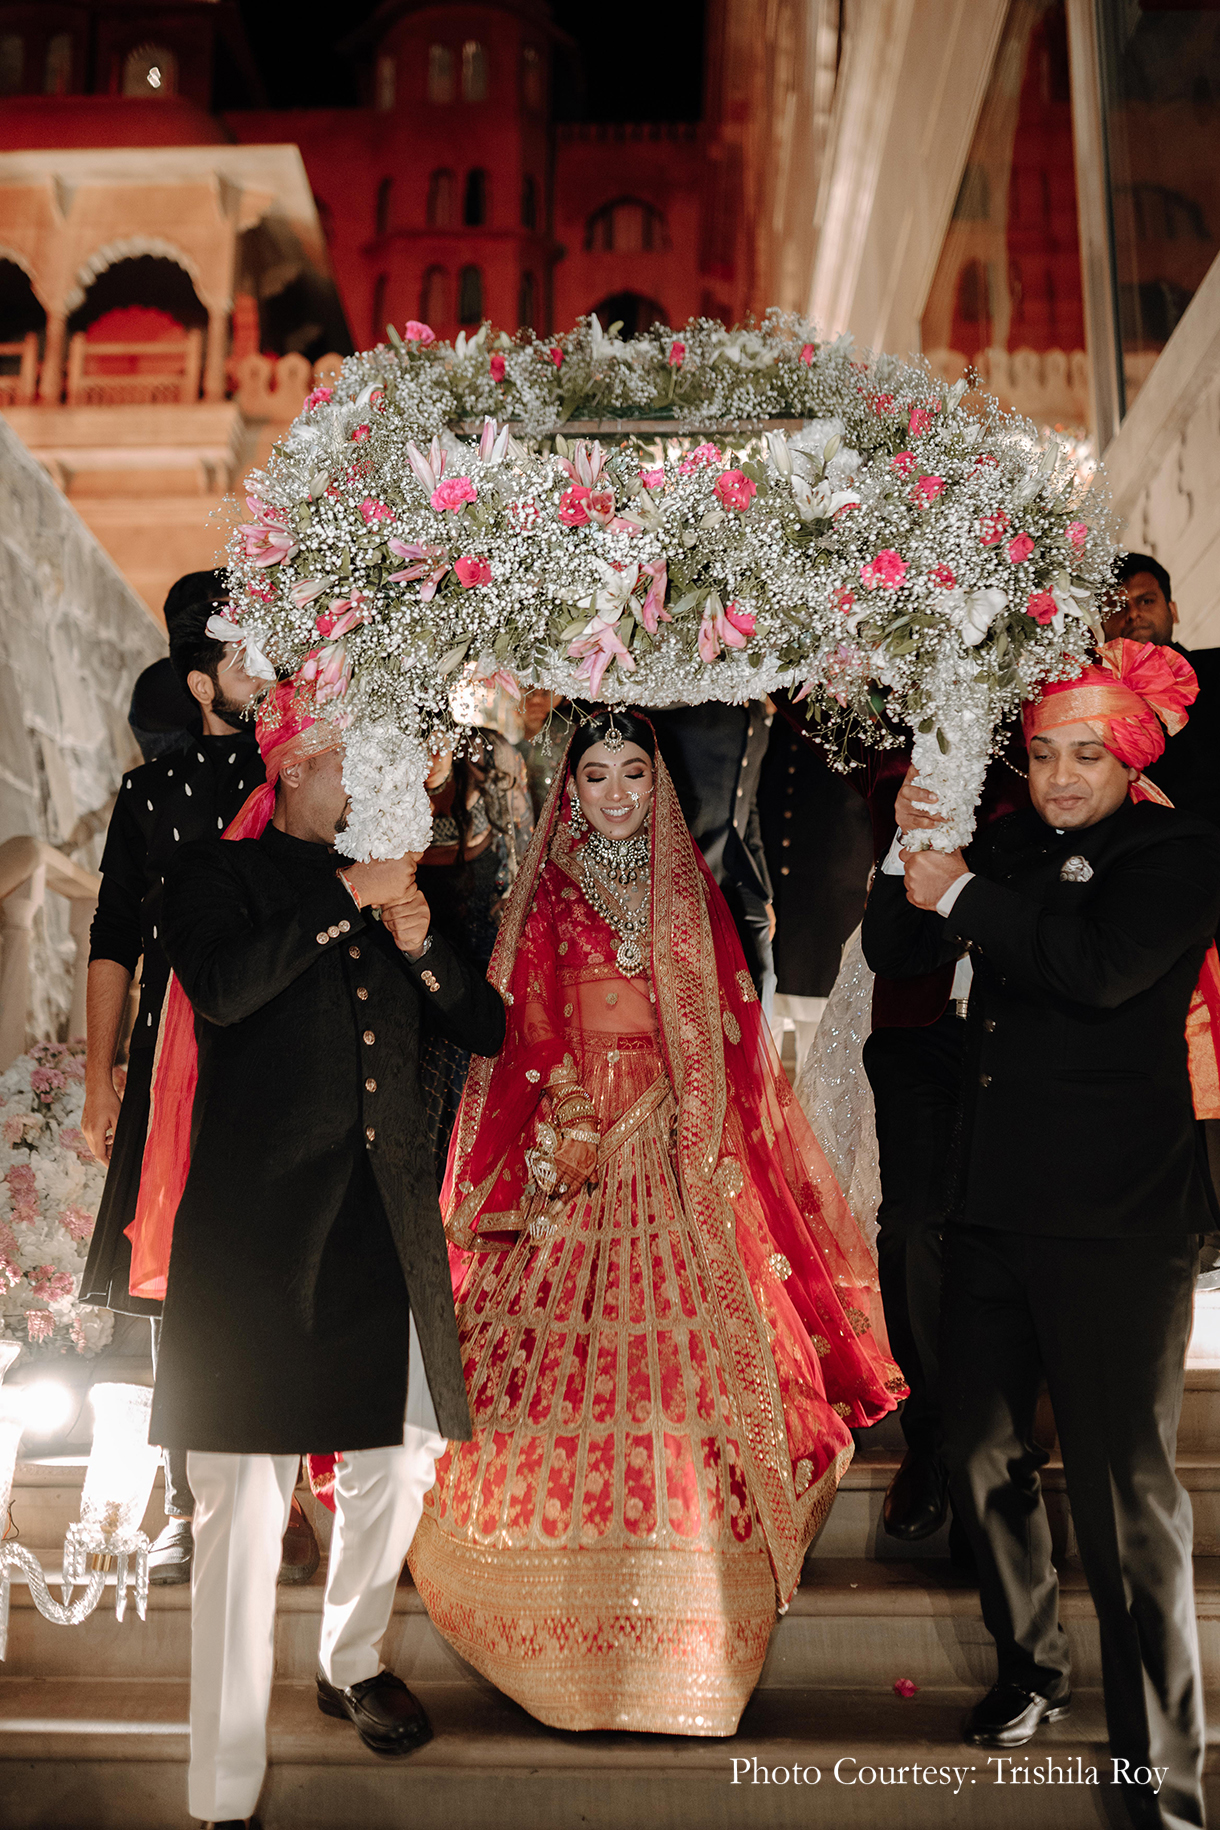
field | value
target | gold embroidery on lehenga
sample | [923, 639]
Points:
[728, 1179]
[779, 1267]
[732, 1028]
[745, 984]
[859, 1322]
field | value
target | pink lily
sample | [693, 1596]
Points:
[653, 611]
[305, 590]
[595, 648]
[344, 614]
[424, 566]
[489, 669]
[267, 540]
[723, 624]
[428, 469]
[586, 463]
[601, 506]
[493, 442]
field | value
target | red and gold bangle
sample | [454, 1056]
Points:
[349, 886]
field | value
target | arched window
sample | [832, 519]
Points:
[387, 83]
[627, 226]
[470, 296]
[150, 69]
[385, 192]
[525, 303]
[20, 311]
[440, 73]
[474, 200]
[379, 291]
[440, 200]
[474, 71]
[57, 77]
[529, 203]
[434, 297]
[12, 63]
[531, 77]
[630, 309]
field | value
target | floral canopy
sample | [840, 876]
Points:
[775, 512]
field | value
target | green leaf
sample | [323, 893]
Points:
[502, 644]
[927, 727]
[394, 337]
[943, 743]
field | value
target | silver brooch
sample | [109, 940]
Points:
[1075, 870]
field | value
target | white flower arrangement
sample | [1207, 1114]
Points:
[912, 565]
[50, 1187]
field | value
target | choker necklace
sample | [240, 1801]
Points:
[607, 864]
[616, 861]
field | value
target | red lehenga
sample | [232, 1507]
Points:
[661, 1393]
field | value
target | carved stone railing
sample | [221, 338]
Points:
[20, 389]
[1050, 386]
[165, 373]
[28, 869]
[274, 387]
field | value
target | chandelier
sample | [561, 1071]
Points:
[118, 1481]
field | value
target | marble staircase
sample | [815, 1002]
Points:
[93, 1719]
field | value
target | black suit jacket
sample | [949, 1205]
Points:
[1189, 771]
[1077, 1116]
[715, 755]
[310, 1214]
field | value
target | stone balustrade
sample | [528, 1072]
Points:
[270, 388]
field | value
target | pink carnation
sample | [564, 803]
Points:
[991, 527]
[905, 1687]
[416, 332]
[496, 365]
[808, 352]
[360, 434]
[926, 491]
[1077, 532]
[39, 1324]
[52, 1285]
[735, 489]
[23, 1194]
[556, 355]
[12, 1130]
[10, 1273]
[903, 463]
[1019, 548]
[653, 479]
[882, 403]
[318, 398]
[944, 576]
[1042, 607]
[677, 354]
[845, 601]
[573, 506]
[77, 1222]
[472, 572]
[919, 422]
[453, 493]
[74, 1139]
[375, 511]
[886, 572]
[377, 400]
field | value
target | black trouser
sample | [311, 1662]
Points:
[1105, 1322]
[179, 1500]
[915, 1075]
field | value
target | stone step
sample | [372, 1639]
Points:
[850, 1622]
[87, 1755]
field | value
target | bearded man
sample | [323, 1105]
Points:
[308, 1267]
[1077, 1200]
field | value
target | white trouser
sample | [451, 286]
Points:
[241, 1512]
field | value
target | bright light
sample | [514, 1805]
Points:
[49, 1406]
[154, 78]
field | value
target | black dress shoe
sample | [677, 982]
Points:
[169, 1557]
[234, 1823]
[1009, 1716]
[388, 1718]
[917, 1502]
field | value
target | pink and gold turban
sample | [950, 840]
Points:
[1136, 698]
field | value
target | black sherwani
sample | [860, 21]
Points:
[190, 793]
[1070, 1255]
[309, 1221]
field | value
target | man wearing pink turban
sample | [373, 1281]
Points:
[1078, 1197]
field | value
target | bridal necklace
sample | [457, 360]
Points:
[608, 868]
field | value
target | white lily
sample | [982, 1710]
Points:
[781, 457]
[255, 661]
[604, 347]
[609, 600]
[820, 501]
[975, 611]
[493, 442]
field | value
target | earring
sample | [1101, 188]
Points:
[580, 825]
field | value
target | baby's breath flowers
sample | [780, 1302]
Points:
[911, 565]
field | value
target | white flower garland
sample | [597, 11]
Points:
[911, 567]
[50, 1187]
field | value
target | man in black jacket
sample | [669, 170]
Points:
[309, 1268]
[192, 788]
[1078, 1198]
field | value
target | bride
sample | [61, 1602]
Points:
[668, 1318]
